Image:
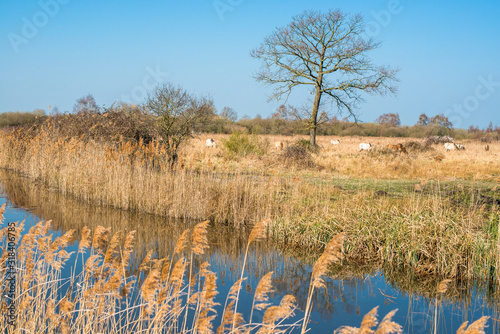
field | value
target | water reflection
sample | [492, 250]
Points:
[352, 290]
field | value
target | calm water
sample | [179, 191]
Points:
[351, 291]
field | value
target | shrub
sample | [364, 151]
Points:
[413, 146]
[297, 155]
[242, 144]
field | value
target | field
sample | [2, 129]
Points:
[345, 160]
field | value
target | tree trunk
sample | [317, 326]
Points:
[314, 118]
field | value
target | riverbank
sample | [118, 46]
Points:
[443, 225]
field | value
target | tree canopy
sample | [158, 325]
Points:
[326, 52]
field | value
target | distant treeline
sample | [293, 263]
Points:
[135, 122]
[16, 118]
[347, 128]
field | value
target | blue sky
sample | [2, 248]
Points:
[53, 52]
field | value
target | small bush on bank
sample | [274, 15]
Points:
[243, 144]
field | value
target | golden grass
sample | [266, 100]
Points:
[308, 206]
[96, 302]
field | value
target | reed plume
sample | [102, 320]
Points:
[388, 326]
[258, 233]
[274, 314]
[178, 273]
[100, 239]
[181, 243]
[203, 324]
[331, 254]
[231, 321]
[477, 327]
[112, 251]
[264, 288]
[199, 243]
[128, 247]
[65, 306]
[199, 239]
[150, 287]
[146, 262]
[369, 321]
[85, 240]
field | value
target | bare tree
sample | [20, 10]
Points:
[441, 120]
[229, 114]
[86, 104]
[389, 119]
[328, 53]
[423, 120]
[177, 113]
[301, 114]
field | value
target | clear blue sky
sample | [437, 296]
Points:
[53, 52]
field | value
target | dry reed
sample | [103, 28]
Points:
[102, 297]
[135, 175]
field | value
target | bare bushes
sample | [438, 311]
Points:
[296, 155]
[414, 146]
[130, 123]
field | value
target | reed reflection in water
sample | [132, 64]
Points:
[351, 292]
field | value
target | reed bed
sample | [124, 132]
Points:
[444, 226]
[165, 296]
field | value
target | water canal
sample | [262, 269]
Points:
[351, 291]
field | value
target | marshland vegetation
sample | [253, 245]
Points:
[396, 211]
[435, 217]
[99, 298]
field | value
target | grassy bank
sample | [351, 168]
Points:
[403, 210]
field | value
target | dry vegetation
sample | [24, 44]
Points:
[409, 210]
[165, 296]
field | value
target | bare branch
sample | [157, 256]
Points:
[327, 51]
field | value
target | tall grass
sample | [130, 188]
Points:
[446, 228]
[165, 296]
